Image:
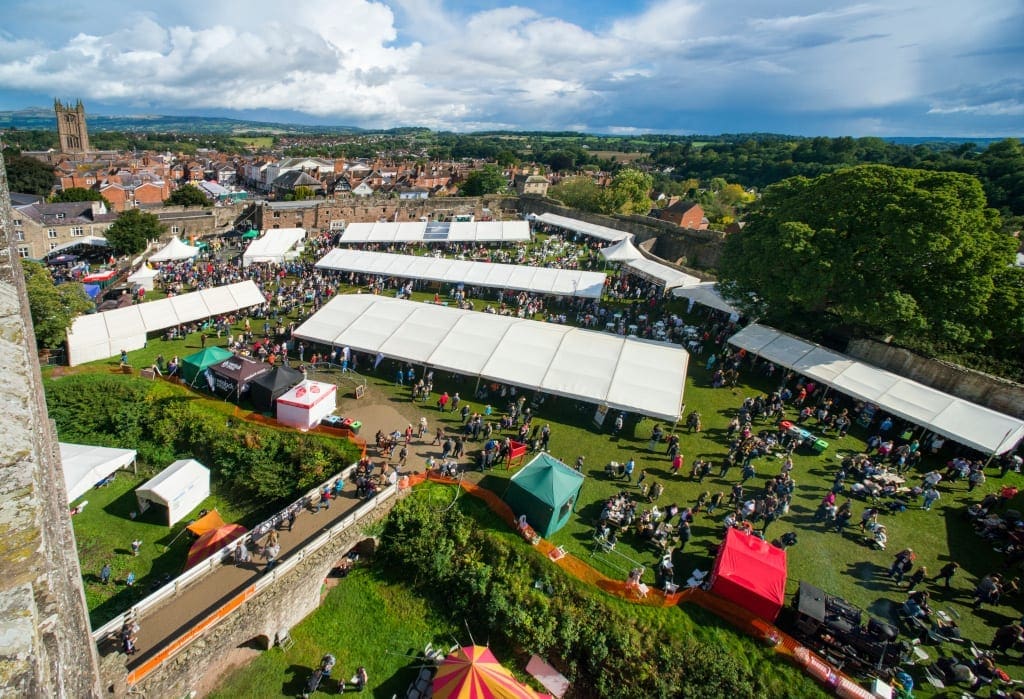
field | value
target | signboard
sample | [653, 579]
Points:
[360, 390]
[600, 415]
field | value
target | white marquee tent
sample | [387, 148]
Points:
[84, 466]
[576, 226]
[145, 277]
[179, 488]
[625, 252]
[705, 293]
[275, 245]
[969, 424]
[638, 376]
[102, 335]
[436, 232]
[174, 250]
[540, 280]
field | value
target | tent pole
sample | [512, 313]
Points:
[993, 454]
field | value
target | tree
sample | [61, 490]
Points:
[560, 161]
[133, 230]
[79, 194]
[53, 307]
[28, 175]
[630, 192]
[872, 251]
[302, 193]
[486, 180]
[187, 195]
[579, 192]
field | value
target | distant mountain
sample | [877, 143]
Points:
[40, 118]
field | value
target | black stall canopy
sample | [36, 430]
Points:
[267, 388]
[232, 375]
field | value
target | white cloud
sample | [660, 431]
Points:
[428, 62]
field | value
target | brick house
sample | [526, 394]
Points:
[685, 214]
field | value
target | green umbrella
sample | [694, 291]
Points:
[250, 234]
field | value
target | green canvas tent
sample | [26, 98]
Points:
[195, 364]
[546, 491]
[250, 234]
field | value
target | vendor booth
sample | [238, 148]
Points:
[194, 365]
[265, 389]
[307, 404]
[84, 466]
[178, 489]
[546, 491]
[277, 245]
[145, 277]
[232, 376]
[751, 573]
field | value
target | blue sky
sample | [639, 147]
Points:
[895, 68]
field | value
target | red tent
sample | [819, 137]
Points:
[213, 541]
[752, 573]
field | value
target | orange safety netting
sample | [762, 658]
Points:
[272, 423]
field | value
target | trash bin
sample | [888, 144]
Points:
[820, 445]
[347, 423]
[357, 425]
[785, 425]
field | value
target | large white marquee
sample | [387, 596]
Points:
[582, 227]
[540, 280]
[628, 374]
[436, 232]
[970, 424]
[102, 335]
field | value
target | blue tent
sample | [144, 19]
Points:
[93, 290]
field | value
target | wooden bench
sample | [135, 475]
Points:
[147, 374]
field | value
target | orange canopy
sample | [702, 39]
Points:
[211, 520]
[213, 541]
[474, 673]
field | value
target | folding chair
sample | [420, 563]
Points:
[932, 679]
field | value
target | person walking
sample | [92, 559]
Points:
[917, 577]
[931, 494]
[136, 545]
[130, 580]
[105, 573]
[291, 520]
[630, 466]
[946, 573]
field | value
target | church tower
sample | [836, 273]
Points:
[74, 138]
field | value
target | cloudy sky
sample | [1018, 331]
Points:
[892, 68]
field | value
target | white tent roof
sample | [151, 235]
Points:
[705, 293]
[84, 466]
[435, 232]
[93, 240]
[143, 273]
[174, 250]
[181, 487]
[273, 245]
[622, 251]
[102, 335]
[970, 424]
[624, 373]
[667, 276]
[542, 280]
[577, 226]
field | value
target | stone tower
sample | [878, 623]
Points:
[74, 137]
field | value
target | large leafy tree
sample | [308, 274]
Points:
[630, 192]
[53, 306]
[133, 230]
[872, 251]
[187, 195]
[486, 180]
[28, 176]
[580, 192]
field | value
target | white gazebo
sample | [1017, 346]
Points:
[276, 245]
[145, 277]
[173, 251]
[84, 466]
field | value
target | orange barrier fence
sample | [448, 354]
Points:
[340, 432]
[141, 672]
